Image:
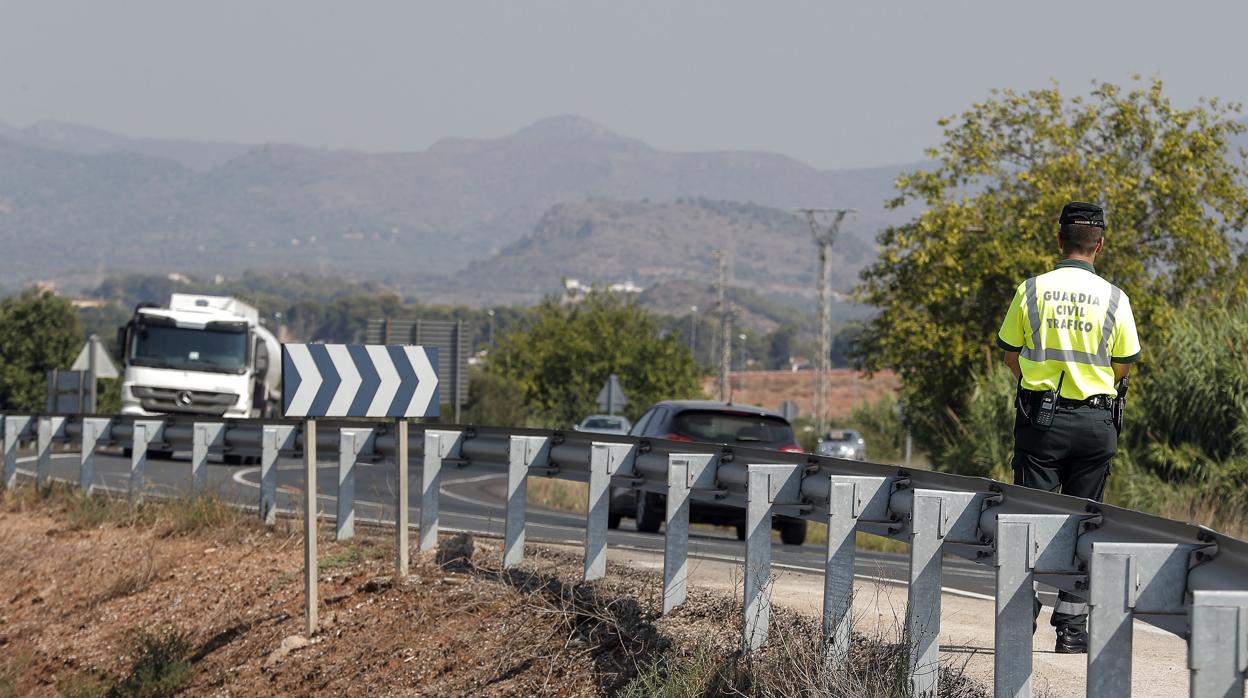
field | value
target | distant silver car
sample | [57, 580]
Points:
[605, 424]
[843, 443]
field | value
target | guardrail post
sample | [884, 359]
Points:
[14, 427]
[524, 452]
[49, 429]
[1125, 579]
[767, 486]
[144, 432]
[685, 473]
[1024, 545]
[275, 439]
[401, 502]
[605, 460]
[93, 429]
[849, 498]
[1110, 598]
[936, 517]
[205, 435]
[350, 443]
[923, 604]
[439, 445]
[1217, 648]
[1014, 610]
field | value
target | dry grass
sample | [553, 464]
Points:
[817, 534]
[554, 493]
[570, 496]
[166, 518]
[793, 663]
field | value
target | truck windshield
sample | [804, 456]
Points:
[162, 346]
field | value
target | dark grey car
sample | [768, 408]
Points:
[706, 421]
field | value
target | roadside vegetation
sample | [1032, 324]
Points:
[165, 518]
[1176, 189]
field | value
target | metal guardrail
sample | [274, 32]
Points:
[1185, 578]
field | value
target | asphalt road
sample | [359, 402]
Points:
[472, 501]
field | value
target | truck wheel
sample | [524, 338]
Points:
[741, 531]
[613, 520]
[648, 518]
[233, 459]
[792, 532]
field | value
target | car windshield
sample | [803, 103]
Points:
[163, 346]
[733, 427]
[602, 423]
[841, 436]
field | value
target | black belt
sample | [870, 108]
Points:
[1098, 402]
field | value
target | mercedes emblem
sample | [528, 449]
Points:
[185, 398]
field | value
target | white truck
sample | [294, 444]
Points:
[202, 355]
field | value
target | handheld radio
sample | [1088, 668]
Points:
[1048, 405]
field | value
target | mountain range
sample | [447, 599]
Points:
[467, 220]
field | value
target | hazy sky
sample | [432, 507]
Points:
[833, 84]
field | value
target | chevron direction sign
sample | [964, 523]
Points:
[357, 380]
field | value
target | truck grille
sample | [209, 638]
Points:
[167, 400]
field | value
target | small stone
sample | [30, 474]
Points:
[456, 550]
[290, 644]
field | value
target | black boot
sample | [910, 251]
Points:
[1071, 639]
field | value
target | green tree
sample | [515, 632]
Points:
[780, 347]
[563, 357]
[38, 331]
[1174, 195]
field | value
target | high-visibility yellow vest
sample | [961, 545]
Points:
[1070, 320]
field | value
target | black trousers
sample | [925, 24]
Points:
[1073, 456]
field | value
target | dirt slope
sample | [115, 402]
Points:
[71, 597]
[85, 582]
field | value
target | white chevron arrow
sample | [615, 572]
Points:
[389, 380]
[428, 378]
[310, 380]
[350, 384]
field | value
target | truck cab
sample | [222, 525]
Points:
[203, 355]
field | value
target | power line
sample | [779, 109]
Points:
[725, 324]
[825, 237]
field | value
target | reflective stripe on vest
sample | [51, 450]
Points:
[1039, 353]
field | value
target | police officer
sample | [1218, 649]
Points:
[1069, 338]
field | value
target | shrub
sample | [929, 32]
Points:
[159, 666]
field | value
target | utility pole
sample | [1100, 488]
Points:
[825, 236]
[693, 331]
[725, 323]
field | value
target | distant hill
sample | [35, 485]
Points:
[76, 139]
[602, 241]
[76, 203]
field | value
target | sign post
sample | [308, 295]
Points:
[611, 398]
[355, 380]
[94, 359]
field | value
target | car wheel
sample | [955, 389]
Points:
[792, 532]
[648, 518]
[741, 531]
